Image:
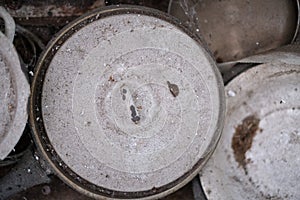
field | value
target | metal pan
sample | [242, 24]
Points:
[14, 90]
[234, 29]
[126, 104]
[258, 153]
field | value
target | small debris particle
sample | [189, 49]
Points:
[10, 108]
[36, 157]
[136, 119]
[242, 139]
[124, 91]
[134, 116]
[139, 107]
[82, 113]
[88, 123]
[111, 78]
[46, 190]
[231, 93]
[173, 89]
[133, 112]
[282, 101]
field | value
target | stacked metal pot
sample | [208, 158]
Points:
[128, 102]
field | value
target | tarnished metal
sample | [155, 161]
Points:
[49, 13]
[257, 156]
[235, 29]
[14, 91]
[43, 9]
[101, 104]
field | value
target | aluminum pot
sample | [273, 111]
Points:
[257, 156]
[126, 104]
[14, 90]
[234, 29]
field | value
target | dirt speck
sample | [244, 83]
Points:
[46, 190]
[242, 139]
[11, 108]
[111, 78]
[208, 191]
[284, 73]
[173, 89]
[134, 117]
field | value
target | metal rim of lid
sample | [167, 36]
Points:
[237, 179]
[40, 136]
[298, 22]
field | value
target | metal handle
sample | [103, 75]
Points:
[9, 23]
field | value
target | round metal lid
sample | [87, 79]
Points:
[126, 104]
[13, 96]
[258, 153]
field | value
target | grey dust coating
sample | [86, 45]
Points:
[108, 111]
[14, 91]
[258, 153]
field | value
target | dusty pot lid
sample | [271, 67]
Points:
[126, 104]
[258, 153]
[14, 93]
